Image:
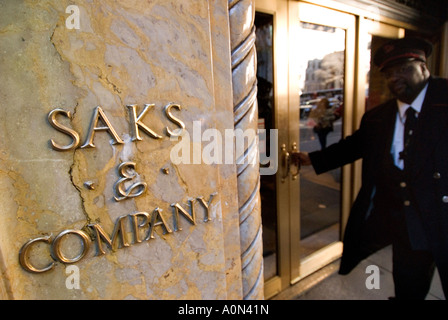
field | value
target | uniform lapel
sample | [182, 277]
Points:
[432, 123]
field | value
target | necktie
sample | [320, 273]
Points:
[409, 129]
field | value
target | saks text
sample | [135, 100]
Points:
[135, 123]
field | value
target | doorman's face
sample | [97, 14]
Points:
[405, 80]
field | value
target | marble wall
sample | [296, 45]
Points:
[88, 80]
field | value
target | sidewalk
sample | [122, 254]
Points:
[353, 285]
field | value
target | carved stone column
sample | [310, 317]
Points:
[242, 36]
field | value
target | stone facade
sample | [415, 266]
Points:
[87, 176]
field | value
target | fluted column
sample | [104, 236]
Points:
[244, 83]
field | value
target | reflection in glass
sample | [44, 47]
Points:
[321, 78]
[376, 89]
[265, 96]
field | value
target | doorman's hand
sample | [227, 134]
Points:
[300, 158]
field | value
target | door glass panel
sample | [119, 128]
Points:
[265, 96]
[321, 78]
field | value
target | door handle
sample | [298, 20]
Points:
[297, 164]
[286, 162]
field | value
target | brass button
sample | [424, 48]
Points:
[436, 175]
[407, 203]
[403, 184]
[445, 199]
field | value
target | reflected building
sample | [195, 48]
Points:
[326, 73]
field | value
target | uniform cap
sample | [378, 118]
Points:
[403, 49]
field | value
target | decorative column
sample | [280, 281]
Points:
[242, 36]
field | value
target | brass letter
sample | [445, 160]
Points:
[111, 241]
[157, 215]
[206, 206]
[135, 122]
[23, 256]
[56, 246]
[93, 127]
[137, 226]
[120, 229]
[100, 234]
[190, 217]
[129, 192]
[174, 120]
[70, 132]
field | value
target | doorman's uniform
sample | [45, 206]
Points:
[393, 202]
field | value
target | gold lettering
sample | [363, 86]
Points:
[140, 221]
[97, 114]
[190, 217]
[112, 242]
[61, 128]
[119, 229]
[23, 256]
[100, 234]
[206, 205]
[135, 122]
[126, 176]
[157, 219]
[137, 226]
[57, 250]
[174, 120]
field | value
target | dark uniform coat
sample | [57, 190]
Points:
[368, 229]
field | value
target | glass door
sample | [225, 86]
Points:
[322, 74]
[305, 59]
[321, 123]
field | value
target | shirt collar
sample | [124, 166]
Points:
[416, 104]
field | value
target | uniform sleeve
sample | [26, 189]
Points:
[339, 154]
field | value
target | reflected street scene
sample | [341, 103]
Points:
[321, 119]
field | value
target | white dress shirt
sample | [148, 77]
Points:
[398, 141]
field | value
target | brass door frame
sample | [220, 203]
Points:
[279, 9]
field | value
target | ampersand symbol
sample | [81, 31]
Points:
[127, 172]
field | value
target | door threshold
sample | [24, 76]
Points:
[298, 289]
